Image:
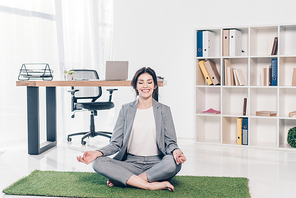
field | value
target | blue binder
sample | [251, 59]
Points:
[245, 131]
[199, 44]
[274, 71]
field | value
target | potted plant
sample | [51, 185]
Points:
[69, 74]
[291, 139]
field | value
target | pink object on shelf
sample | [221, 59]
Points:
[211, 111]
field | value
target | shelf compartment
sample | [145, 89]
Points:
[237, 63]
[284, 126]
[263, 99]
[260, 39]
[229, 130]
[256, 68]
[245, 36]
[287, 40]
[263, 132]
[286, 101]
[200, 79]
[233, 100]
[287, 64]
[206, 98]
[208, 129]
[244, 41]
[216, 45]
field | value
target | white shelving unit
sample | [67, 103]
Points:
[263, 132]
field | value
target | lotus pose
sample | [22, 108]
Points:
[144, 139]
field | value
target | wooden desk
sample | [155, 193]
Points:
[34, 146]
[79, 83]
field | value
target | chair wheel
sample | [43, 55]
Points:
[83, 142]
[69, 139]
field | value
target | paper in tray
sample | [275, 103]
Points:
[35, 71]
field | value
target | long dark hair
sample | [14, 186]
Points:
[141, 71]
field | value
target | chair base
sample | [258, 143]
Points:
[89, 134]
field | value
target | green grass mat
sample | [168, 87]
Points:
[82, 184]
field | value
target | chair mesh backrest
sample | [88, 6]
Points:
[94, 92]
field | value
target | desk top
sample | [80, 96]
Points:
[87, 83]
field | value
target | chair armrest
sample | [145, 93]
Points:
[73, 99]
[73, 91]
[110, 93]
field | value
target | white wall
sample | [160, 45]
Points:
[160, 34]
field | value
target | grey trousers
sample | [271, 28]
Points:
[156, 168]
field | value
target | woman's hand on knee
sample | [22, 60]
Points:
[89, 156]
[179, 156]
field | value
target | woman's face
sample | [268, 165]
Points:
[145, 85]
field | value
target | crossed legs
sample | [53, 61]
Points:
[151, 175]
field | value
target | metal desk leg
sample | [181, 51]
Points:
[34, 147]
[51, 114]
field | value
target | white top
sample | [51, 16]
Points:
[142, 141]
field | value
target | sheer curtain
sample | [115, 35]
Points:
[65, 34]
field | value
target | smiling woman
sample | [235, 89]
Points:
[145, 84]
[144, 139]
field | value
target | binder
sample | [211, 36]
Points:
[270, 46]
[240, 77]
[235, 42]
[268, 75]
[236, 82]
[208, 43]
[263, 76]
[213, 72]
[245, 106]
[294, 77]
[227, 63]
[274, 47]
[225, 50]
[205, 72]
[231, 76]
[239, 124]
[274, 72]
[199, 43]
[245, 131]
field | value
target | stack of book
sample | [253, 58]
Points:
[232, 42]
[269, 74]
[211, 111]
[266, 113]
[210, 72]
[292, 114]
[232, 75]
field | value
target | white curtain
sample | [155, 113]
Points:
[65, 34]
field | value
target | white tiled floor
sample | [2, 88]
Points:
[271, 173]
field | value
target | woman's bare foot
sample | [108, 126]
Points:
[165, 185]
[109, 183]
[139, 182]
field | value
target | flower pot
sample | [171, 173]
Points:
[69, 77]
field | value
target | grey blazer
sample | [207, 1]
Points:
[165, 130]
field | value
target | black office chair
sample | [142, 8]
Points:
[87, 97]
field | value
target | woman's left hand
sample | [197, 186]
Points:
[179, 156]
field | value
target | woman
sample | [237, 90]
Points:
[144, 139]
